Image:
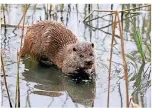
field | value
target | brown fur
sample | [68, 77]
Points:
[55, 41]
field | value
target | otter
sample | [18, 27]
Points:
[51, 42]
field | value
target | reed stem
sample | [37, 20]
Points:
[25, 10]
[17, 98]
[109, 71]
[5, 81]
[124, 60]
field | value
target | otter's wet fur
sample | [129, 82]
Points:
[51, 42]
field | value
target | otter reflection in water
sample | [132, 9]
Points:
[51, 82]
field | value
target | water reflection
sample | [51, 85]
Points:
[51, 82]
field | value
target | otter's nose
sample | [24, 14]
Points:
[88, 63]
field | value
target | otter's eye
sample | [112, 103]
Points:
[92, 45]
[81, 56]
[91, 54]
[74, 49]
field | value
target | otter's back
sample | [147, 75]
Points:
[48, 38]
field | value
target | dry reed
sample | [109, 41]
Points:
[123, 57]
[109, 71]
[116, 12]
[5, 81]
[113, 11]
[26, 7]
[17, 97]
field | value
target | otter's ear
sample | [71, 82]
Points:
[74, 49]
[92, 44]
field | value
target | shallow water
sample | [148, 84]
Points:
[48, 87]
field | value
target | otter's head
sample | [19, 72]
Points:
[79, 56]
[83, 54]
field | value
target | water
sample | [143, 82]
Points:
[48, 87]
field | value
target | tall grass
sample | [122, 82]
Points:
[139, 44]
[139, 41]
[143, 47]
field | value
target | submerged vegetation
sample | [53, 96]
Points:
[119, 24]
